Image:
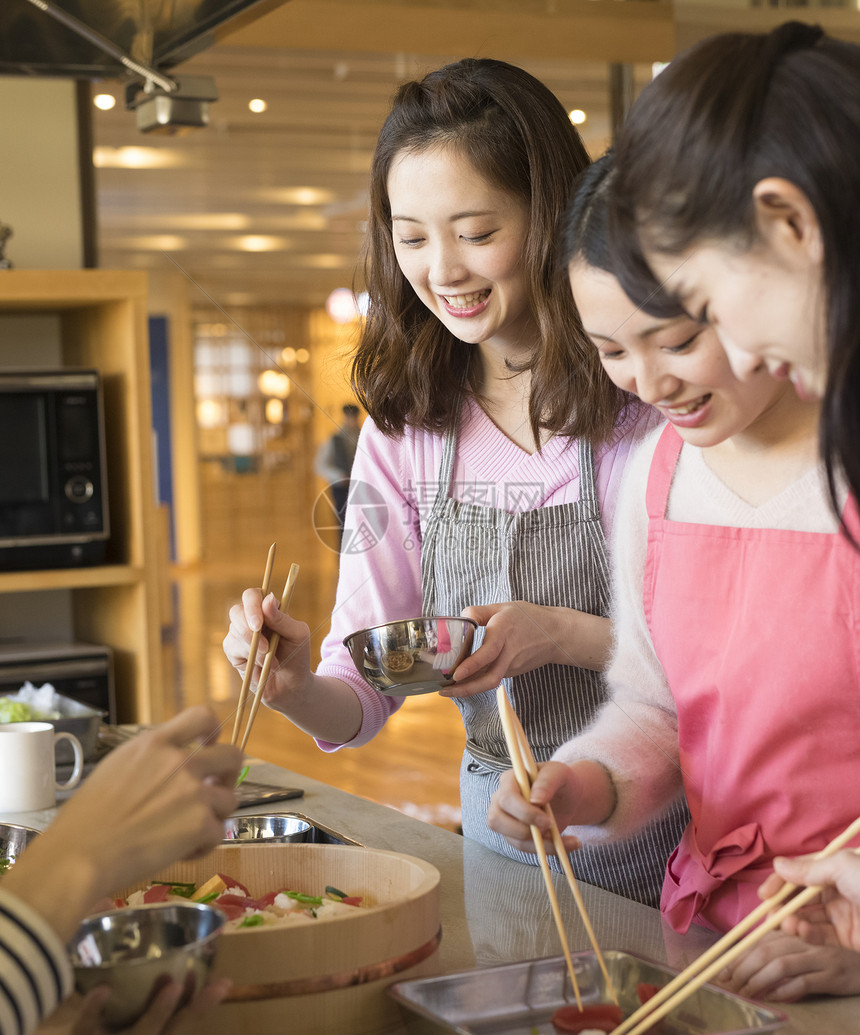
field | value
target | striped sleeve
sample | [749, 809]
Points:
[35, 973]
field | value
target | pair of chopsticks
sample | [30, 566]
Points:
[525, 771]
[713, 960]
[274, 640]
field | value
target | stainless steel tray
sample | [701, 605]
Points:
[520, 998]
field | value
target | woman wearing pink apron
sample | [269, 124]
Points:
[767, 687]
[735, 674]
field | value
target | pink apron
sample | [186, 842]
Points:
[757, 631]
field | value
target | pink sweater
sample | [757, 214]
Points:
[394, 482]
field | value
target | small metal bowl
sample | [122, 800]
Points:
[13, 840]
[137, 950]
[268, 830]
[413, 655]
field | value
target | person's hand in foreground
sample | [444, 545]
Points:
[783, 968]
[834, 919]
[80, 1016]
[161, 797]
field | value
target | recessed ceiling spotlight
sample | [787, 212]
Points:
[577, 116]
[257, 105]
[104, 101]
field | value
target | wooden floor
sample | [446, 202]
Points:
[413, 764]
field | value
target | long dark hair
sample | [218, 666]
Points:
[409, 369]
[732, 110]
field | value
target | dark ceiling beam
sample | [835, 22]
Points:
[589, 30]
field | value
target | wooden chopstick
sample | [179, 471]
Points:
[532, 771]
[252, 654]
[561, 853]
[522, 777]
[713, 960]
[274, 640]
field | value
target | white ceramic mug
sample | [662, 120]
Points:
[28, 767]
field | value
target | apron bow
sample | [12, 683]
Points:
[693, 876]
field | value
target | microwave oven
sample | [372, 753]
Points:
[53, 482]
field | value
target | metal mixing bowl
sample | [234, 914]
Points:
[413, 655]
[135, 951]
[13, 840]
[268, 830]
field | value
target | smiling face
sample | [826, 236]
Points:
[459, 241]
[760, 308]
[677, 365]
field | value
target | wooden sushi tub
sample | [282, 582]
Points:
[329, 975]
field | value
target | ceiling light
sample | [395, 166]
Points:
[211, 413]
[274, 411]
[577, 116]
[152, 242]
[302, 355]
[327, 261]
[257, 105]
[104, 101]
[261, 243]
[274, 383]
[136, 158]
[300, 195]
[210, 221]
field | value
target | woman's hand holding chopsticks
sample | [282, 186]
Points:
[290, 674]
[326, 708]
[579, 795]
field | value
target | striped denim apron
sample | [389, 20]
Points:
[554, 556]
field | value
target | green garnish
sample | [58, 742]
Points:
[5, 864]
[208, 898]
[306, 900]
[243, 772]
[252, 921]
[185, 890]
[15, 711]
[329, 890]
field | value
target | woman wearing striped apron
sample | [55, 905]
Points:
[478, 383]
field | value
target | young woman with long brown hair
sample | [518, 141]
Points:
[493, 451]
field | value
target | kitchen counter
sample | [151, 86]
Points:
[495, 910]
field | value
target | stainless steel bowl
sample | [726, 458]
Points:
[13, 840]
[413, 655]
[268, 830]
[135, 951]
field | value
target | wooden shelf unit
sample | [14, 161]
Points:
[103, 324]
